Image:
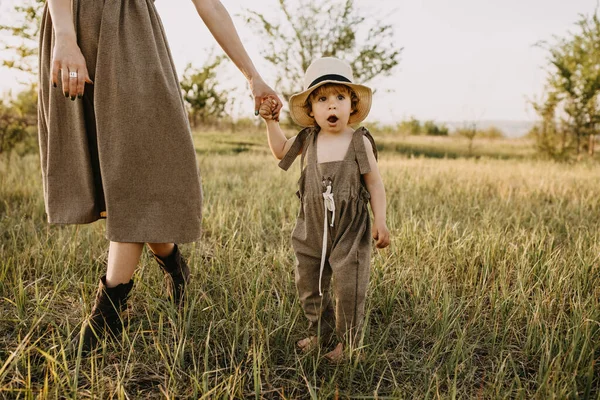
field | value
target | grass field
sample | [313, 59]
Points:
[490, 289]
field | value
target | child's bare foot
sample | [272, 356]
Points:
[336, 355]
[307, 344]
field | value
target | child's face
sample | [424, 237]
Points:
[331, 108]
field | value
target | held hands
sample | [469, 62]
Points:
[381, 234]
[261, 92]
[67, 59]
[269, 109]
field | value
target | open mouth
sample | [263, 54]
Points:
[333, 119]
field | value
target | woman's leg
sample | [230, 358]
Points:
[123, 258]
[174, 266]
[162, 249]
[111, 298]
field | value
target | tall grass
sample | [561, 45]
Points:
[490, 289]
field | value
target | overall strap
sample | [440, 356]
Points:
[309, 153]
[298, 146]
[360, 151]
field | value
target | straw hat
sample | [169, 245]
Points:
[329, 70]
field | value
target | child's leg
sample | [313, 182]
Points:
[317, 309]
[123, 258]
[350, 288]
[351, 270]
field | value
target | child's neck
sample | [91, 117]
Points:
[338, 132]
[333, 145]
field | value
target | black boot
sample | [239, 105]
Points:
[177, 273]
[105, 317]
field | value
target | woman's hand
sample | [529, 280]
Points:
[262, 92]
[381, 234]
[67, 59]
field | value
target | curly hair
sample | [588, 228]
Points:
[331, 88]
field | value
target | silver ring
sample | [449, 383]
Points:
[73, 74]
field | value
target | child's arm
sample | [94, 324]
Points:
[378, 201]
[278, 143]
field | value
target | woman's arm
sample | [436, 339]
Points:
[67, 56]
[219, 23]
[62, 19]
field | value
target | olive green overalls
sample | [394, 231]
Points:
[334, 242]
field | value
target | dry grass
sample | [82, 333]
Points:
[490, 289]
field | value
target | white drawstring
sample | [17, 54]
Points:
[329, 206]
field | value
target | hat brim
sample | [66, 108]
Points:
[299, 115]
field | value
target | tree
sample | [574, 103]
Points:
[18, 122]
[468, 131]
[573, 89]
[23, 40]
[206, 103]
[432, 129]
[551, 134]
[491, 132]
[313, 29]
[410, 127]
[18, 115]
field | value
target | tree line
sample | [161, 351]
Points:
[569, 109]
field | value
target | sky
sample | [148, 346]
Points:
[462, 60]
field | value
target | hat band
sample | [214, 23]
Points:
[329, 77]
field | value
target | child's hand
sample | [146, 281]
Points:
[268, 108]
[381, 234]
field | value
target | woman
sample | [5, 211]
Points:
[114, 138]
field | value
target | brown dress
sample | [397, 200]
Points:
[125, 150]
[346, 226]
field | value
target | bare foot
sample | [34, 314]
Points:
[307, 344]
[336, 355]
